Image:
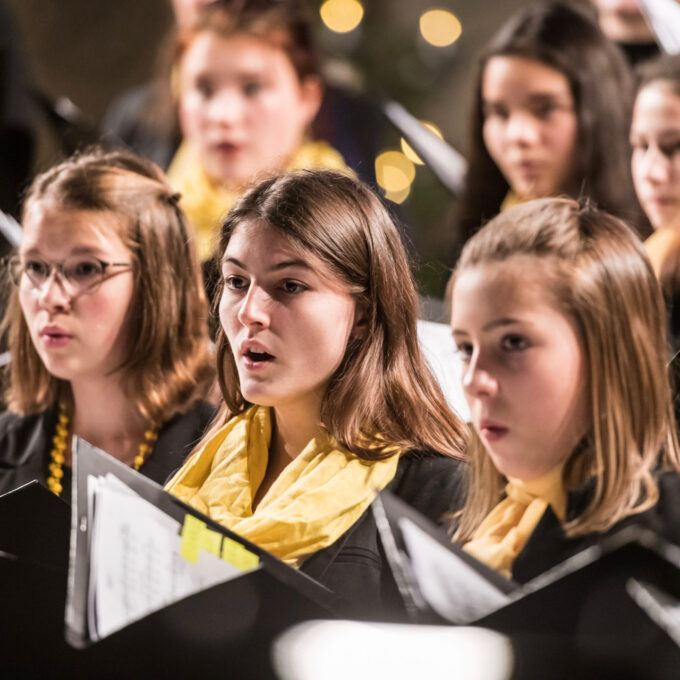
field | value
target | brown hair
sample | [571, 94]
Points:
[566, 38]
[664, 69]
[282, 24]
[600, 277]
[168, 364]
[383, 386]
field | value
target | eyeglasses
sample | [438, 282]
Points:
[80, 273]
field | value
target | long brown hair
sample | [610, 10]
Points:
[168, 363]
[565, 38]
[383, 396]
[599, 276]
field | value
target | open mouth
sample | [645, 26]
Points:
[258, 357]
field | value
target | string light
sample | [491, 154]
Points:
[341, 16]
[409, 152]
[439, 27]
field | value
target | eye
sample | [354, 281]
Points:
[83, 271]
[514, 343]
[544, 109]
[639, 145]
[669, 150]
[252, 88]
[495, 111]
[37, 269]
[292, 287]
[233, 282]
[464, 350]
[204, 87]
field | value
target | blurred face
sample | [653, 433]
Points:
[655, 138]
[287, 318]
[78, 336]
[524, 373]
[530, 125]
[622, 21]
[242, 106]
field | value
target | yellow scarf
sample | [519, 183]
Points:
[506, 529]
[658, 246]
[314, 501]
[207, 203]
[511, 198]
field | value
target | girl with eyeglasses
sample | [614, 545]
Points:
[106, 324]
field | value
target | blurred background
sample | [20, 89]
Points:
[415, 52]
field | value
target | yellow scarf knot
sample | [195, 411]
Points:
[317, 497]
[506, 529]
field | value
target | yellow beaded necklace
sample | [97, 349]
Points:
[56, 466]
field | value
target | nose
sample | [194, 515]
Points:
[254, 311]
[225, 108]
[478, 381]
[53, 294]
[522, 128]
[657, 166]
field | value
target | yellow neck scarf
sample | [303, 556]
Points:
[317, 498]
[506, 529]
[207, 203]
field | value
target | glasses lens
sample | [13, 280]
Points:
[83, 273]
[36, 270]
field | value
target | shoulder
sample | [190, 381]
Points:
[176, 440]
[22, 436]
[430, 482]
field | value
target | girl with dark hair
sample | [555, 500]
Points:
[327, 397]
[560, 323]
[106, 322]
[551, 116]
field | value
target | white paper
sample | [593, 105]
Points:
[440, 352]
[449, 585]
[136, 564]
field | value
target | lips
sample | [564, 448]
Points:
[55, 336]
[491, 431]
[255, 355]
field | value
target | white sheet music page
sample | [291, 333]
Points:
[449, 585]
[136, 562]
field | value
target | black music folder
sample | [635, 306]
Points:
[610, 611]
[221, 624]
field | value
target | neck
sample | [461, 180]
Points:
[292, 430]
[104, 416]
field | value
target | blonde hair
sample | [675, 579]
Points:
[167, 366]
[597, 272]
[383, 397]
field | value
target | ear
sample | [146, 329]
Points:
[311, 93]
[360, 325]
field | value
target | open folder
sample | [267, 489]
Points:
[615, 604]
[171, 594]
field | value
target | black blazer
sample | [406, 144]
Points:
[548, 546]
[26, 443]
[355, 567]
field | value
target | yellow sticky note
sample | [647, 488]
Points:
[210, 542]
[191, 537]
[238, 556]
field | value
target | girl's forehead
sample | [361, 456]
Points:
[47, 223]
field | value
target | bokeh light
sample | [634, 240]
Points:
[440, 27]
[409, 152]
[341, 16]
[394, 172]
[398, 196]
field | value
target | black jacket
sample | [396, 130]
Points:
[26, 443]
[548, 546]
[355, 567]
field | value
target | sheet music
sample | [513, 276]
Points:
[136, 566]
[449, 585]
[440, 352]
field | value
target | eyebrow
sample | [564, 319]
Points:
[285, 264]
[496, 323]
[80, 250]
